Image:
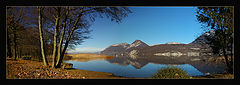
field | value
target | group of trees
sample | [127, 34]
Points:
[59, 28]
[220, 20]
[22, 35]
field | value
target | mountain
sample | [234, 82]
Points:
[116, 49]
[203, 38]
[174, 50]
[137, 44]
[198, 47]
[124, 45]
[124, 48]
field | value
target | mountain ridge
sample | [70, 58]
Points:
[198, 47]
[123, 48]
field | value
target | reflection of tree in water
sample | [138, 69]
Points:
[124, 61]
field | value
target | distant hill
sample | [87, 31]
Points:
[136, 45]
[202, 39]
[175, 50]
[116, 49]
[123, 48]
[198, 47]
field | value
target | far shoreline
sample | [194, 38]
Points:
[86, 57]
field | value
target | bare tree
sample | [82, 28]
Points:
[83, 17]
[58, 9]
[41, 36]
[70, 27]
[14, 24]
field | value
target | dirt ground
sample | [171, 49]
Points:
[27, 69]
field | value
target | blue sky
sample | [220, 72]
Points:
[152, 25]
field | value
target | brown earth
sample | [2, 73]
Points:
[27, 69]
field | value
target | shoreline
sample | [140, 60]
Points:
[28, 69]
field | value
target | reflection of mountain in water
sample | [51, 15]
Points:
[122, 60]
[139, 62]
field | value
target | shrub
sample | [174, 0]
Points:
[26, 58]
[171, 73]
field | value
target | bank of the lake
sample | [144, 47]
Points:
[28, 69]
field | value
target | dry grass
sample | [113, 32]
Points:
[87, 57]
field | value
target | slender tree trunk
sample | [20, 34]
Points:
[41, 37]
[64, 49]
[231, 46]
[226, 57]
[20, 53]
[231, 54]
[39, 52]
[55, 38]
[15, 43]
[60, 59]
[62, 36]
[9, 51]
[67, 41]
[224, 52]
[225, 47]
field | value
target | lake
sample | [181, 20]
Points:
[129, 67]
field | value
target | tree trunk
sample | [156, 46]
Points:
[225, 56]
[9, 51]
[61, 39]
[66, 44]
[39, 52]
[55, 38]
[231, 46]
[64, 49]
[18, 56]
[224, 52]
[231, 54]
[15, 43]
[41, 37]
[20, 53]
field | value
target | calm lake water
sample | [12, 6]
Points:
[128, 67]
